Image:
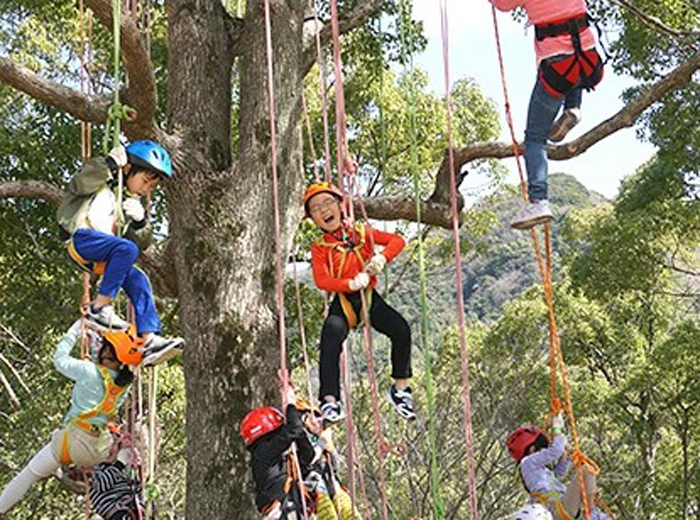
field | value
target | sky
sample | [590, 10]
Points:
[473, 53]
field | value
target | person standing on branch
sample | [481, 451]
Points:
[88, 221]
[100, 389]
[568, 63]
[344, 263]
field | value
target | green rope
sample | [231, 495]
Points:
[438, 506]
[117, 111]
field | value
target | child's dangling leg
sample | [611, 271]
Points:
[541, 112]
[334, 331]
[41, 466]
[386, 320]
[157, 348]
[120, 255]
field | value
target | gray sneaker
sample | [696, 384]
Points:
[158, 350]
[105, 319]
[533, 213]
[332, 412]
[563, 125]
[402, 401]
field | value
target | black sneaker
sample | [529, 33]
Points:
[402, 401]
[332, 412]
[158, 350]
[105, 319]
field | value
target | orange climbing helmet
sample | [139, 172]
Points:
[259, 422]
[521, 439]
[320, 187]
[128, 346]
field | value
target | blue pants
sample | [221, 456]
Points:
[120, 255]
[540, 118]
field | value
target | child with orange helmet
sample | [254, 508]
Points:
[100, 389]
[568, 63]
[541, 464]
[268, 435]
[344, 262]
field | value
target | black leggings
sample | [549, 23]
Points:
[335, 329]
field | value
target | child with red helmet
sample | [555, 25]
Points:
[344, 262]
[567, 63]
[541, 464]
[268, 436]
[89, 221]
[100, 388]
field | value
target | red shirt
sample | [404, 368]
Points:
[335, 262]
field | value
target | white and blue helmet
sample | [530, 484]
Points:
[533, 512]
[150, 155]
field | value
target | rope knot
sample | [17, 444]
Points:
[589, 465]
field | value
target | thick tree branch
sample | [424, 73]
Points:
[140, 91]
[31, 190]
[363, 12]
[395, 208]
[436, 209]
[622, 119]
[84, 107]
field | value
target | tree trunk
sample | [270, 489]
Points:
[223, 228]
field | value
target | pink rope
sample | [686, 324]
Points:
[340, 123]
[302, 331]
[324, 100]
[284, 375]
[468, 432]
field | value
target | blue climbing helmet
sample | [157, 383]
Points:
[150, 155]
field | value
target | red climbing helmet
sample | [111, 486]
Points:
[320, 187]
[520, 440]
[259, 422]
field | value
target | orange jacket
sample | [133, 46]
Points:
[335, 262]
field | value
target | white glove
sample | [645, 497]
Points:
[375, 265]
[558, 422]
[118, 155]
[133, 209]
[360, 281]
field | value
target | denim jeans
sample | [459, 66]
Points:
[540, 118]
[120, 255]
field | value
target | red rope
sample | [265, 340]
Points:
[466, 399]
[284, 375]
[302, 331]
[340, 123]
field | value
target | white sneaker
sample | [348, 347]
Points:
[332, 412]
[105, 319]
[569, 118]
[158, 350]
[402, 401]
[533, 213]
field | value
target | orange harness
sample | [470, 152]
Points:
[350, 314]
[85, 265]
[546, 498]
[107, 407]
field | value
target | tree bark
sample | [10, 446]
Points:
[222, 230]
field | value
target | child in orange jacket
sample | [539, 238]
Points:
[344, 262]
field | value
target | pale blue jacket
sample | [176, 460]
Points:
[89, 388]
[536, 472]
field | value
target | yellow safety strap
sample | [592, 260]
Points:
[545, 499]
[107, 406]
[93, 267]
[350, 314]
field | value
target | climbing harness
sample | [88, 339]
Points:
[106, 408]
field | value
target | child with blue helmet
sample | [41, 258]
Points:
[89, 222]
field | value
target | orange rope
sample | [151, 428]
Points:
[556, 356]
